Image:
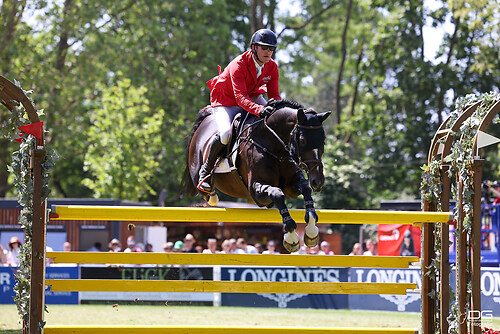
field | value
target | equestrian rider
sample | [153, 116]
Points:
[239, 88]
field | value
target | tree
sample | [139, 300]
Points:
[124, 140]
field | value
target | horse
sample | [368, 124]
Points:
[271, 157]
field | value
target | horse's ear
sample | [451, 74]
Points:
[324, 116]
[301, 116]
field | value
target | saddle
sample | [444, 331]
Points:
[227, 163]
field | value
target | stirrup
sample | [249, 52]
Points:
[200, 188]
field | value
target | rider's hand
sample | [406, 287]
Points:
[266, 111]
[272, 103]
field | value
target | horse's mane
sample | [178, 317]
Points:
[287, 103]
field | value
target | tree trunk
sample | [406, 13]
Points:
[338, 107]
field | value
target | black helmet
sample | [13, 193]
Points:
[264, 37]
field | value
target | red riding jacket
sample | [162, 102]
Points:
[238, 83]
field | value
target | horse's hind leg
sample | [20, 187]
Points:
[262, 193]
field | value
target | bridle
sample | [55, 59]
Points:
[304, 164]
[292, 141]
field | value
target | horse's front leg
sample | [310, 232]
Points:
[262, 193]
[311, 235]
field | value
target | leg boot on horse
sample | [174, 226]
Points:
[205, 175]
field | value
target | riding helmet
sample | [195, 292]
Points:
[264, 37]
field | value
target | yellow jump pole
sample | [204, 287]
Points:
[129, 213]
[278, 260]
[217, 330]
[229, 286]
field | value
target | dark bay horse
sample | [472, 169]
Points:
[272, 154]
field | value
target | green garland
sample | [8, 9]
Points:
[460, 160]
[23, 183]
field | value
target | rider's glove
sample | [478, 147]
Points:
[266, 111]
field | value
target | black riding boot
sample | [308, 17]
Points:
[216, 147]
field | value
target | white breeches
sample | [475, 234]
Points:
[224, 117]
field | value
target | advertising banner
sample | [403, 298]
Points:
[7, 283]
[284, 300]
[147, 273]
[490, 290]
[409, 302]
[398, 240]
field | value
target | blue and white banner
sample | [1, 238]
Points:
[409, 302]
[284, 300]
[7, 283]
[490, 289]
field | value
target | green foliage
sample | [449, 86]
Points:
[124, 139]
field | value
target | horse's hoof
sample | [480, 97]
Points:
[291, 242]
[213, 199]
[311, 235]
[311, 242]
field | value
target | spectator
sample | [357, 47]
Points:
[139, 247]
[356, 249]
[198, 248]
[96, 248]
[370, 247]
[271, 248]
[14, 250]
[495, 189]
[407, 248]
[259, 248]
[312, 250]
[486, 190]
[244, 248]
[115, 245]
[168, 247]
[302, 250]
[148, 248]
[3, 255]
[130, 245]
[232, 245]
[66, 247]
[211, 246]
[325, 249]
[226, 247]
[189, 244]
[178, 246]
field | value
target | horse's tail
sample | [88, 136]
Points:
[187, 187]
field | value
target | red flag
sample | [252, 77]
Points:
[34, 129]
[20, 139]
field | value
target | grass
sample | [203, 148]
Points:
[207, 315]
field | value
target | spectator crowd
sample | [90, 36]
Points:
[189, 244]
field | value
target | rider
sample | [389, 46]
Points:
[239, 88]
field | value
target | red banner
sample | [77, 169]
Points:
[397, 240]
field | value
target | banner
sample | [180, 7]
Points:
[490, 290]
[147, 273]
[395, 239]
[7, 283]
[284, 300]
